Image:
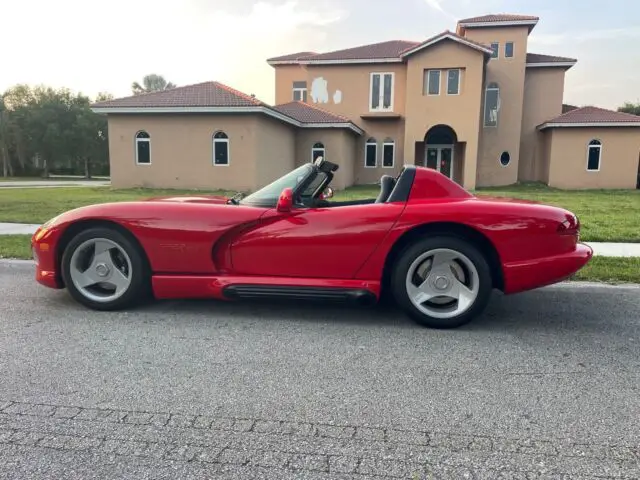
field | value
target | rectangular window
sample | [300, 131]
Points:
[453, 82]
[221, 152]
[495, 46]
[371, 154]
[593, 162]
[491, 105]
[508, 50]
[388, 154]
[432, 82]
[299, 91]
[143, 151]
[381, 98]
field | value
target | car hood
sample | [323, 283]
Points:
[217, 199]
[493, 199]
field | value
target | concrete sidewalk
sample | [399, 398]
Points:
[602, 249]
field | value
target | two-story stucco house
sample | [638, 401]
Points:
[473, 104]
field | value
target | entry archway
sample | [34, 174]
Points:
[439, 149]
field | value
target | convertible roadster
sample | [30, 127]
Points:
[425, 242]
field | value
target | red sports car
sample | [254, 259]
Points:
[431, 245]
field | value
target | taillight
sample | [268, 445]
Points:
[570, 226]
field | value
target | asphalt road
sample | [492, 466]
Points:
[544, 386]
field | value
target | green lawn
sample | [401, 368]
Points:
[599, 269]
[606, 215]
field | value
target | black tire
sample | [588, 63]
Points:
[415, 250]
[139, 288]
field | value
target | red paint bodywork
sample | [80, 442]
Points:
[198, 245]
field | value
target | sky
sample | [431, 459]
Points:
[75, 44]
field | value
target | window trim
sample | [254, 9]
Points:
[318, 149]
[389, 142]
[371, 141]
[497, 50]
[500, 159]
[513, 49]
[459, 70]
[140, 140]
[484, 115]
[591, 145]
[221, 140]
[381, 94]
[429, 70]
[303, 92]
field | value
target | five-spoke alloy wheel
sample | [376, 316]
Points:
[442, 282]
[104, 270]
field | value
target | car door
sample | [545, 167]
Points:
[329, 242]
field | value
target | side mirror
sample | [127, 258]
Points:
[327, 193]
[285, 202]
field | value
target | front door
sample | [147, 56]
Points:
[440, 158]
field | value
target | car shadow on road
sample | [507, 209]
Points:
[547, 310]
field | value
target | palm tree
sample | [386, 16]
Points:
[151, 83]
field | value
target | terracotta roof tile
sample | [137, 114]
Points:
[541, 58]
[305, 113]
[389, 49]
[499, 17]
[292, 57]
[454, 36]
[207, 94]
[586, 115]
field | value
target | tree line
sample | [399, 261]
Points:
[45, 130]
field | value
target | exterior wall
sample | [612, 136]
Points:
[543, 93]
[380, 130]
[182, 151]
[509, 74]
[460, 112]
[618, 161]
[353, 82]
[275, 150]
[285, 76]
[339, 147]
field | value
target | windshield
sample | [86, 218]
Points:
[271, 192]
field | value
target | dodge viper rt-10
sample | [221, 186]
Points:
[424, 241]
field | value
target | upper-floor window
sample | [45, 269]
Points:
[143, 148]
[508, 50]
[381, 92]
[495, 46]
[371, 153]
[299, 91]
[594, 151]
[220, 149]
[453, 81]
[491, 105]
[317, 151]
[431, 82]
[388, 153]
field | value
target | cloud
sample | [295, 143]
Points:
[437, 6]
[584, 36]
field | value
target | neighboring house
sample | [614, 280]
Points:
[473, 104]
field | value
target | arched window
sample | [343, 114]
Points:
[317, 151]
[388, 153]
[143, 148]
[371, 153]
[594, 152]
[220, 149]
[491, 105]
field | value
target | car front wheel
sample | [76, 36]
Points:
[442, 282]
[104, 270]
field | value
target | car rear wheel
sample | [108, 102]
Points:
[442, 282]
[104, 270]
